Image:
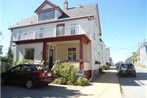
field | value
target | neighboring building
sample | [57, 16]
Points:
[104, 53]
[72, 34]
[107, 55]
[143, 53]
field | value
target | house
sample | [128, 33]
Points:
[104, 53]
[69, 34]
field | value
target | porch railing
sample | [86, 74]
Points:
[46, 33]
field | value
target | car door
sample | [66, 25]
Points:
[25, 73]
[13, 75]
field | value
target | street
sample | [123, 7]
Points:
[50, 91]
[135, 87]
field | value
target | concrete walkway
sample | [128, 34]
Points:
[105, 86]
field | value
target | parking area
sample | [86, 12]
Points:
[50, 91]
[104, 86]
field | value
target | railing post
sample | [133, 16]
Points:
[17, 37]
[79, 29]
[34, 34]
[55, 31]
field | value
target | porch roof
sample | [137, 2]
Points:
[82, 37]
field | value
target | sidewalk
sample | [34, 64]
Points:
[105, 86]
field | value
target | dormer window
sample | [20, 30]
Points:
[47, 11]
[46, 15]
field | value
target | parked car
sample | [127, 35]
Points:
[118, 64]
[127, 69]
[29, 75]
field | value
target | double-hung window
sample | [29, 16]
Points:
[41, 32]
[71, 54]
[74, 28]
[29, 53]
[60, 30]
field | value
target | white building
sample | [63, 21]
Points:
[107, 55]
[72, 34]
[143, 53]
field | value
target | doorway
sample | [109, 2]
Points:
[51, 58]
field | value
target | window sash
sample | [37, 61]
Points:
[71, 54]
[46, 15]
[29, 54]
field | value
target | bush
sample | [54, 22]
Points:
[82, 81]
[104, 67]
[66, 74]
[60, 81]
[25, 61]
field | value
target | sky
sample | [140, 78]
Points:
[123, 22]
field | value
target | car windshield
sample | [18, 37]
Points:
[39, 67]
[124, 65]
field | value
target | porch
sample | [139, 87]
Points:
[73, 48]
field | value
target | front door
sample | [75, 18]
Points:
[60, 30]
[51, 57]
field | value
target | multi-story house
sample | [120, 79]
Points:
[71, 34]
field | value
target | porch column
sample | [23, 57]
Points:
[81, 55]
[44, 52]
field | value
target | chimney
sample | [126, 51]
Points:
[65, 5]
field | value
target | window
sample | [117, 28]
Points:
[29, 54]
[60, 29]
[19, 35]
[26, 69]
[74, 28]
[41, 32]
[46, 15]
[71, 54]
[16, 69]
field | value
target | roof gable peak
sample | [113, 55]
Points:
[47, 6]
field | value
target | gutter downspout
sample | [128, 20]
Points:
[91, 64]
[91, 36]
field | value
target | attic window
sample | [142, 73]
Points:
[46, 15]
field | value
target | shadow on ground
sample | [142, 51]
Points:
[137, 81]
[8, 91]
[109, 76]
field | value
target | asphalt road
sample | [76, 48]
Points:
[50, 91]
[135, 87]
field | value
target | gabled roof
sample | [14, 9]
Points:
[76, 12]
[47, 6]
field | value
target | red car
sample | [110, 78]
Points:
[29, 75]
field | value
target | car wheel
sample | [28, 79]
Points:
[29, 84]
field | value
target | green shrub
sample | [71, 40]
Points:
[104, 67]
[60, 81]
[82, 81]
[65, 73]
[25, 61]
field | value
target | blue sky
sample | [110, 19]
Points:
[123, 22]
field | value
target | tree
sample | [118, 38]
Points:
[135, 56]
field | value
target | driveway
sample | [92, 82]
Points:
[104, 86]
[51, 91]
